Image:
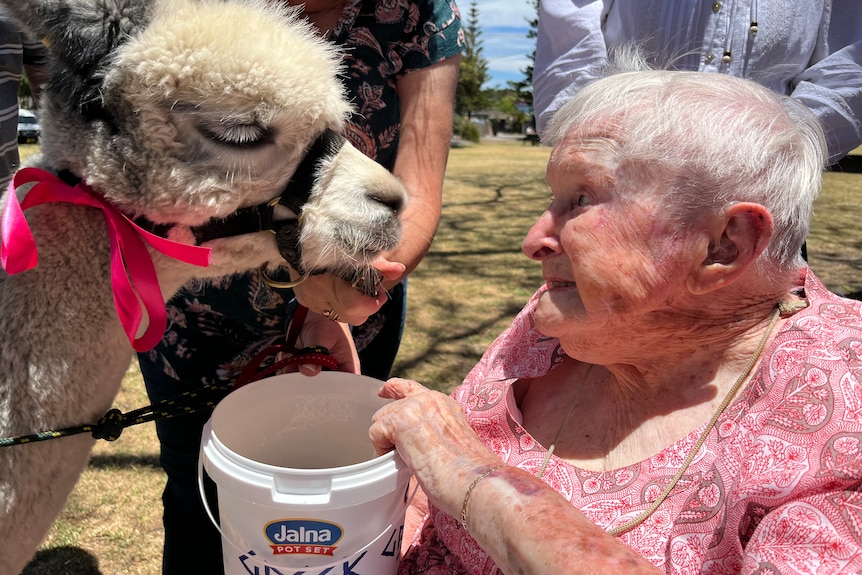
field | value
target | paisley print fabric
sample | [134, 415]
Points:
[776, 488]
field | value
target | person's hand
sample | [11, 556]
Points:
[431, 434]
[333, 297]
[334, 336]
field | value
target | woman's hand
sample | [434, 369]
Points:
[334, 336]
[333, 297]
[520, 521]
[431, 434]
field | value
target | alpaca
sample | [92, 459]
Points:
[179, 113]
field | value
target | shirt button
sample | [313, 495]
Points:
[709, 57]
[716, 6]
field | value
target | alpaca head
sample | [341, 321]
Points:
[184, 111]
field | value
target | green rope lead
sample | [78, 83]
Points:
[111, 425]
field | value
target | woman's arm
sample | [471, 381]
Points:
[527, 527]
[523, 524]
[426, 98]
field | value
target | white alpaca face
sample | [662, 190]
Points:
[205, 107]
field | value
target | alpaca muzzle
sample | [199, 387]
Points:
[263, 217]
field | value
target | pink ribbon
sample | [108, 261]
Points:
[133, 275]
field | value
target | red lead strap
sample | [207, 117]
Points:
[314, 354]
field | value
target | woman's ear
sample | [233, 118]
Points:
[740, 237]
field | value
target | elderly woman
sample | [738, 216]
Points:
[682, 395]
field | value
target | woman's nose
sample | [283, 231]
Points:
[542, 239]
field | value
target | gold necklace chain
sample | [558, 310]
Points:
[560, 430]
[782, 307]
[705, 433]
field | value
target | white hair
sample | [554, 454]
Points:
[713, 139]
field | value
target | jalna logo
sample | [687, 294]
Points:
[303, 536]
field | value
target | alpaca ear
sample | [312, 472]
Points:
[84, 32]
[82, 35]
[739, 237]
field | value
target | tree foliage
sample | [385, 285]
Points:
[26, 100]
[469, 96]
[524, 88]
[513, 102]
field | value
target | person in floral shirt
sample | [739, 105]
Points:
[682, 395]
[401, 61]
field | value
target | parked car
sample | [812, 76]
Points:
[28, 127]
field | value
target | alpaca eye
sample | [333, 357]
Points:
[238, 134]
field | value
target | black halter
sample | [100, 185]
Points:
[261, 217]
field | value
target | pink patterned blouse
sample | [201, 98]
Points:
[776, 488]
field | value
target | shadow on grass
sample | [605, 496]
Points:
[435, 348]
[124, 461]
[63, 561]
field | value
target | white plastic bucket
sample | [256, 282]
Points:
[300, 489]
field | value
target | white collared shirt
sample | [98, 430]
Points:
[808, 49]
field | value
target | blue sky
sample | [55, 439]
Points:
[504, 37]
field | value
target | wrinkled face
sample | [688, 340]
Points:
[607, 254]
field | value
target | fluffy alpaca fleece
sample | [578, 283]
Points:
[179, 111]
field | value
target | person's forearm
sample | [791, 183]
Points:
[528, 528]
[422, 174]
[523, 524]
[426, 131]
[840, 114]
[832, 86]
[419, 224]
[832, 90]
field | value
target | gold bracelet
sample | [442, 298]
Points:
[470, 490]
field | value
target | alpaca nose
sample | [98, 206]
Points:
[392, 199]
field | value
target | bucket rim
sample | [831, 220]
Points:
[222, 445]
[390, 458]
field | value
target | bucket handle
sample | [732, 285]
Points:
[412, 495]
[255, 559]
[202, 492]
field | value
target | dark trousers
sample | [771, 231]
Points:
[378, 356]
[192, 543]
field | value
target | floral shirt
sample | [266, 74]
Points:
[235, 317]
[384, 40]
[776, 488]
